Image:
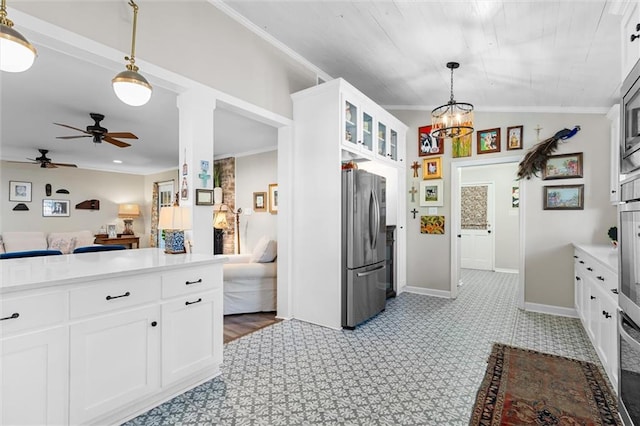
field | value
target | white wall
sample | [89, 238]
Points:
[548, 234]
[254, 173]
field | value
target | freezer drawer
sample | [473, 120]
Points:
[364, 294]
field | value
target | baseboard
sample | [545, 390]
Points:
[427, 291]
[506, 270]
[550, 309]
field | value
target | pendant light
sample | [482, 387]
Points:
[453, 119]
[130, 86]
[16, 53]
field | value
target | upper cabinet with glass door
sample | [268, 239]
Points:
[387, 147]
[358, 128]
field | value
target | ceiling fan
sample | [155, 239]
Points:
[44, 161]
[99, 133]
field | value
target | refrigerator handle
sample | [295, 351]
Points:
[376, 216]
[364, 274]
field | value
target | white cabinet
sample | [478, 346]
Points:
[614, 152]
[114, 359]
[596, 303]
[630, 49]
[34, 384]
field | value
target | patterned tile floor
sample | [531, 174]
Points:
[418, 363]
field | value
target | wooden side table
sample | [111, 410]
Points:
[122, 239]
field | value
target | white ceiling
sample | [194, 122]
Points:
[515, 55]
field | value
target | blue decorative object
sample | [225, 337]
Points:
[91, 249]
[29, 253]
[174, 241]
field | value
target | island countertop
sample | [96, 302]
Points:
[603, 253]
[48, 271]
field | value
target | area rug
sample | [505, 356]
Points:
[526, 387]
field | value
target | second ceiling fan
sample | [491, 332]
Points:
[99, 133]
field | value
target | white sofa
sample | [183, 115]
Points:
[250, 280]
[66, 242]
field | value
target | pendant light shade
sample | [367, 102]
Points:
[16, 53]
[129, 85]
[453, 119]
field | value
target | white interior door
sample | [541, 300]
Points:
[477, 218]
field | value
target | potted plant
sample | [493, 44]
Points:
[217, 184]
[613, 235]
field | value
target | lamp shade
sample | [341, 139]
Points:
[128, 210]
[174, 217]
[220, 220]
[132, 88]
[16, 53]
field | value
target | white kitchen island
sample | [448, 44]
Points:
[97, 338]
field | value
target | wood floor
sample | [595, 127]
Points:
[241, 324]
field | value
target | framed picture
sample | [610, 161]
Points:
[432, 225]
[431, 193]
[260, 201]
[432, 168]
[55, 208]
[488, 140]
[514, 137]
[515, 197]
[564, 197]
[563, 166]
[428, 145]
[204, 197]
[19, 191]
[273, 198]
[111, 231]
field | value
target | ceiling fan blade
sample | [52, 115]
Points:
[73, 137]
[49, 166]
[63, 165]
[71, 127]
[116, 142]
[22, 162]
[123, 135]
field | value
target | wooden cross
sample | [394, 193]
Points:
[537, 129]
[415, 166]
[413, 192]
[415, 212]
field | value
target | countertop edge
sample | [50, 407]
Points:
[604, 254]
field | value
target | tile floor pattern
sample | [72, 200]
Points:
[418, 363]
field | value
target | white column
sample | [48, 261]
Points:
[195, 140]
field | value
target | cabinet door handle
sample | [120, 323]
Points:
[606, 314]
[187, 303]
[590, 269]
[600, 278]
[575, 257]
[578, 278]
[582, 261]
[614, 290]
[592, 297]
[193, 282]
[127, 294]
[154, 323]
[12, 316]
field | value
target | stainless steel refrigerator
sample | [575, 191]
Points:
[363, 246]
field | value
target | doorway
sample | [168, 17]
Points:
[165, 199]
[504, 221]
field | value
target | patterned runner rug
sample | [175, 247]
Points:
[526, 387]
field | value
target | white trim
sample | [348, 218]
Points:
[247, 153]
[551, 310]
[530, 109]
[427, 291]
[506, 270]
[233, 14]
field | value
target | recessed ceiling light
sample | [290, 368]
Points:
[117, 161]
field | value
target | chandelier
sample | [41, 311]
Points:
[453, 119]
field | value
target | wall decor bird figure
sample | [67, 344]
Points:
[534, 161]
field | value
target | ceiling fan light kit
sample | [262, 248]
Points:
[129, 85]
[16, 53]
[453, 119]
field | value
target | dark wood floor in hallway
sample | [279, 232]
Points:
[238, 325]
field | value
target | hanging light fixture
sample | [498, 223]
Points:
[16, 53]
[453, 119]
[130, 86]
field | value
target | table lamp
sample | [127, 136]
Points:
[128, 212]
[174, 220]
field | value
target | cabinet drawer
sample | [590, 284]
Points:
[114, 294]
[176, 283]
[24, 313]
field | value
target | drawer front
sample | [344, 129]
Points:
[29, 312]
[113, 294]
[192, 280]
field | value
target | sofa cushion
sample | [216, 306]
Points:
[29, 253]
[24, 241]
[265, 251]
[82, 238]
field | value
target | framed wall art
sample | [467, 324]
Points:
[204, 197]
[431, 193]
[55, 208]
[20, 191]
[488, 141]
[564, 197]
[563, 166]
[273, 198]
[514, 137]
[432, 225]
[427, 144]
[260, 201]
[432, 168]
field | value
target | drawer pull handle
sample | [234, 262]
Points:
[592, 297]
[575, 257]
[12, 316]
[193, 282]
[154, 323]
[614, 290]
[127, 294]
[600, 278]
[590, 269]
[606, 314]
[578, 278]
[187, 303]
[581, 261]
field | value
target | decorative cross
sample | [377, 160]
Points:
[537, 129]
[415, 212]
[413, 192]
[415, 166]
[205, 177]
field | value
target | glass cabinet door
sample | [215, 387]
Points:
[367, 132]
[350, 123]
[393, 145]
[382, 140]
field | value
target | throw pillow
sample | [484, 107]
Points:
[1, 245]
[65, 245]
[265, 251]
